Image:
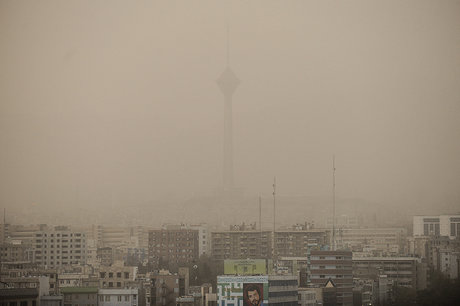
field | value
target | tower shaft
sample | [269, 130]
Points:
[228, 143]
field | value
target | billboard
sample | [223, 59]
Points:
[242, 290]
[244, 266]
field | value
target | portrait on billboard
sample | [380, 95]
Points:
[253, 294]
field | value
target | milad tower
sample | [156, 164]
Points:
[228, 82]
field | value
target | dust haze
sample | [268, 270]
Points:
[110, 111]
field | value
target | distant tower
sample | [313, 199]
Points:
[228, 82]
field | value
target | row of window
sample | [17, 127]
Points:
[57, 252]
[111, 274]
[21, 303]
[119, 298]
[331, 267]
[39, 246]
[59, 235]
[57, 257]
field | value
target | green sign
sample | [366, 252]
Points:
[245, 267]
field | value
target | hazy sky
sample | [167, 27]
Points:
[116, 101]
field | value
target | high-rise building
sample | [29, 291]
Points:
[335, 266]
[173, 247]
[296, 243]
[235, 244]
[59, 247]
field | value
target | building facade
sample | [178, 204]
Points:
[78, 296]
[295, 243]
[336, 266]
[408, 272]
[59, 247]
[442, 225]
[383, 241]
[118, 297]
[241, 244]
[173, 247]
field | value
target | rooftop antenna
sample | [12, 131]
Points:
[274, 216]
[260, 213]
[333, 203]
[260, 225]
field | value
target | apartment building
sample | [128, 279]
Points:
[23, 297]
[384, 241]
[408, 272]
[241, 244]
[118, 297]
[335, 266]
[296, 243]
[165, 288]
[116, 276]
[173, 247]
[59, 247]
[105, 256]
[78, 296]
[15, 251]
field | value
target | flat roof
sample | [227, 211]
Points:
[79, 290]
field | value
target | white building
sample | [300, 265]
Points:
[118, 297]
[203, 238]
[59, 247]
[442, 225]
[71, 279]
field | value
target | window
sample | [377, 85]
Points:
[119, 298]
[126, 298]
[118, 284]
[118, 274]
[110, 274]
[126, 275]
[107, 298]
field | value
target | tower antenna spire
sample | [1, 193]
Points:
[228, 45]
[228, 82]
